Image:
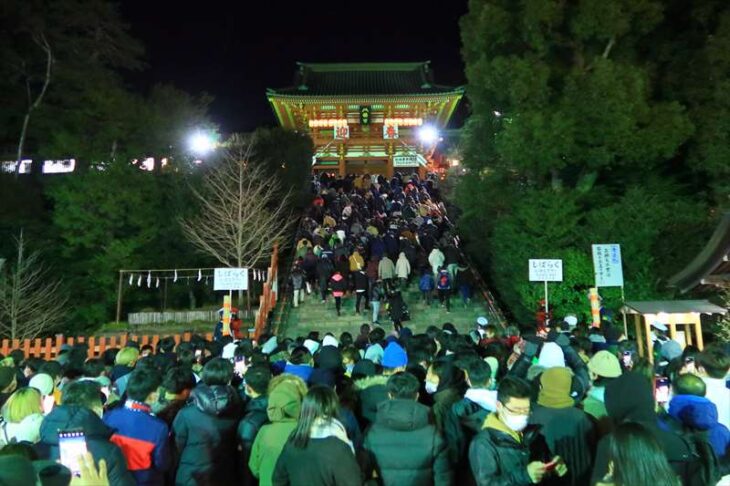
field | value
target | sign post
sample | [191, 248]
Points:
[546, 271]
[609, 272]
[229, 279]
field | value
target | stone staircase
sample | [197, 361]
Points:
[312, 315]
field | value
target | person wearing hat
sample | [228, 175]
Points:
[603, 367]
[286, 393]
[568, 431]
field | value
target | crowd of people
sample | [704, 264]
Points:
[367, 236]
[575, 406]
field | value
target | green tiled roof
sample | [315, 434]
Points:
[364, 79]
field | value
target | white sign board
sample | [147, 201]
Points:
[230, 279]
[405, 161]
[607, 265]
[546, 270]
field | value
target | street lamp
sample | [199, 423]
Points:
[201, 143]
[428, 134]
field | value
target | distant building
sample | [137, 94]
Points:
[371, 118]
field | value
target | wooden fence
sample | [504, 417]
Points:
[270, 290]
[48, 348]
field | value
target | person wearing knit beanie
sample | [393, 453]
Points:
[555, 388]
[394, 357]
[551, 356]
[568, 430]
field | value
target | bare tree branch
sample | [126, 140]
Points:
[31, 304]
[242, 211]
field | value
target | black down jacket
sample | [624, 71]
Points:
[97, 435]
[205, 436]
[404, 448]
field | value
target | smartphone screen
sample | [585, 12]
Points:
[240, 366]
[626, 359]
[71, 446]
[661, 391]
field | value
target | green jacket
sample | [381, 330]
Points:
[267, 448]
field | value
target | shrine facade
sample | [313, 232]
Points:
[372, 118]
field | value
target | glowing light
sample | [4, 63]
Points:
[201, 143]
[428, 134]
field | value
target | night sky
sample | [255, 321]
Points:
[235, 50]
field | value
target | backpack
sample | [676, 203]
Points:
[703, 467]
[443, 281]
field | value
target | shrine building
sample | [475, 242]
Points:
[372, 118]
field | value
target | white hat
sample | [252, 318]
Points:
[311, 345]
[551, 356]
[43, 383]
[229, 350]
[330, 341]
[660, 326]
[482, 321]
[571, 320]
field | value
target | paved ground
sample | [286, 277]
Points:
[312, 315]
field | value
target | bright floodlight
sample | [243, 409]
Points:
[428, 134]
[201, 143]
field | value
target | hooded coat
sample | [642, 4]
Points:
[386, 268]
[249, 427]
[405, 448]
[700, 414]
[205, 436]
[285, 401]
[402, 266]
[371, 392]
[629, 398]
[97, 435]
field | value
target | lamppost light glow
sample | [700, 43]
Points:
[201, 143]
[428, 134]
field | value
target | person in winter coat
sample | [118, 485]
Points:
[324, 273]
[403, 269]
[504, 452]
[567, 430]
[318, 451]
[629, 398]
[297, 279]
[21, 417]
[637, 459]
[143, 438]
[356, 261]
[468, 414]
[82, 409]
[443, 287]
[338, 284]
[386, 272]
[426, 286]
[286, 393]
[377, 292]
[695, 413]
[402, 446]
[603, 367]
[447, 383]
[257, 380]
[205, 430]
[436, 259]
[360, 279]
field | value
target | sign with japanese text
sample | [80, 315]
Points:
[607, 265]
[342, 132]
[230, 279]
[390, 131]
[546, 270]
[405, 161]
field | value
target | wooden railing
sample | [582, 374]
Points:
[49, 348]
[270, 291]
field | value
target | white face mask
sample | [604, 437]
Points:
[431, 387]
[515, 422]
